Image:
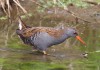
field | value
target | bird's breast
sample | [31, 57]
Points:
[60, 39]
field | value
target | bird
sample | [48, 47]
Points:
[42, 38]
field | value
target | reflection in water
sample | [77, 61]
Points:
[32, 60]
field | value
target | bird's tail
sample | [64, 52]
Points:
[21, 24]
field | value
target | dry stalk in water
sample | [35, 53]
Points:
[7, 6]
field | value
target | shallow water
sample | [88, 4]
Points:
[12, 60]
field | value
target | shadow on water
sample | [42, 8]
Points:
[14, 55]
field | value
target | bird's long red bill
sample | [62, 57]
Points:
[79, 38]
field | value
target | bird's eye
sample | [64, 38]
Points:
[75, 33]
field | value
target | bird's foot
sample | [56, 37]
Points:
[45, 53]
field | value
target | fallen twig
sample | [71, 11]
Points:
[91, 2]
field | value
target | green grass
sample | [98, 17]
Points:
[33, 65]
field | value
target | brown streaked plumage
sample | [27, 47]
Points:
[27, 32]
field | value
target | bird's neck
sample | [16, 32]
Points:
[63, 33]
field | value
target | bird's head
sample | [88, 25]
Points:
[71, 32]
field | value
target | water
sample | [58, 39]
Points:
[14, 55]
[29, 61]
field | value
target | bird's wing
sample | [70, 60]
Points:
[51, 31]
[29, 32]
